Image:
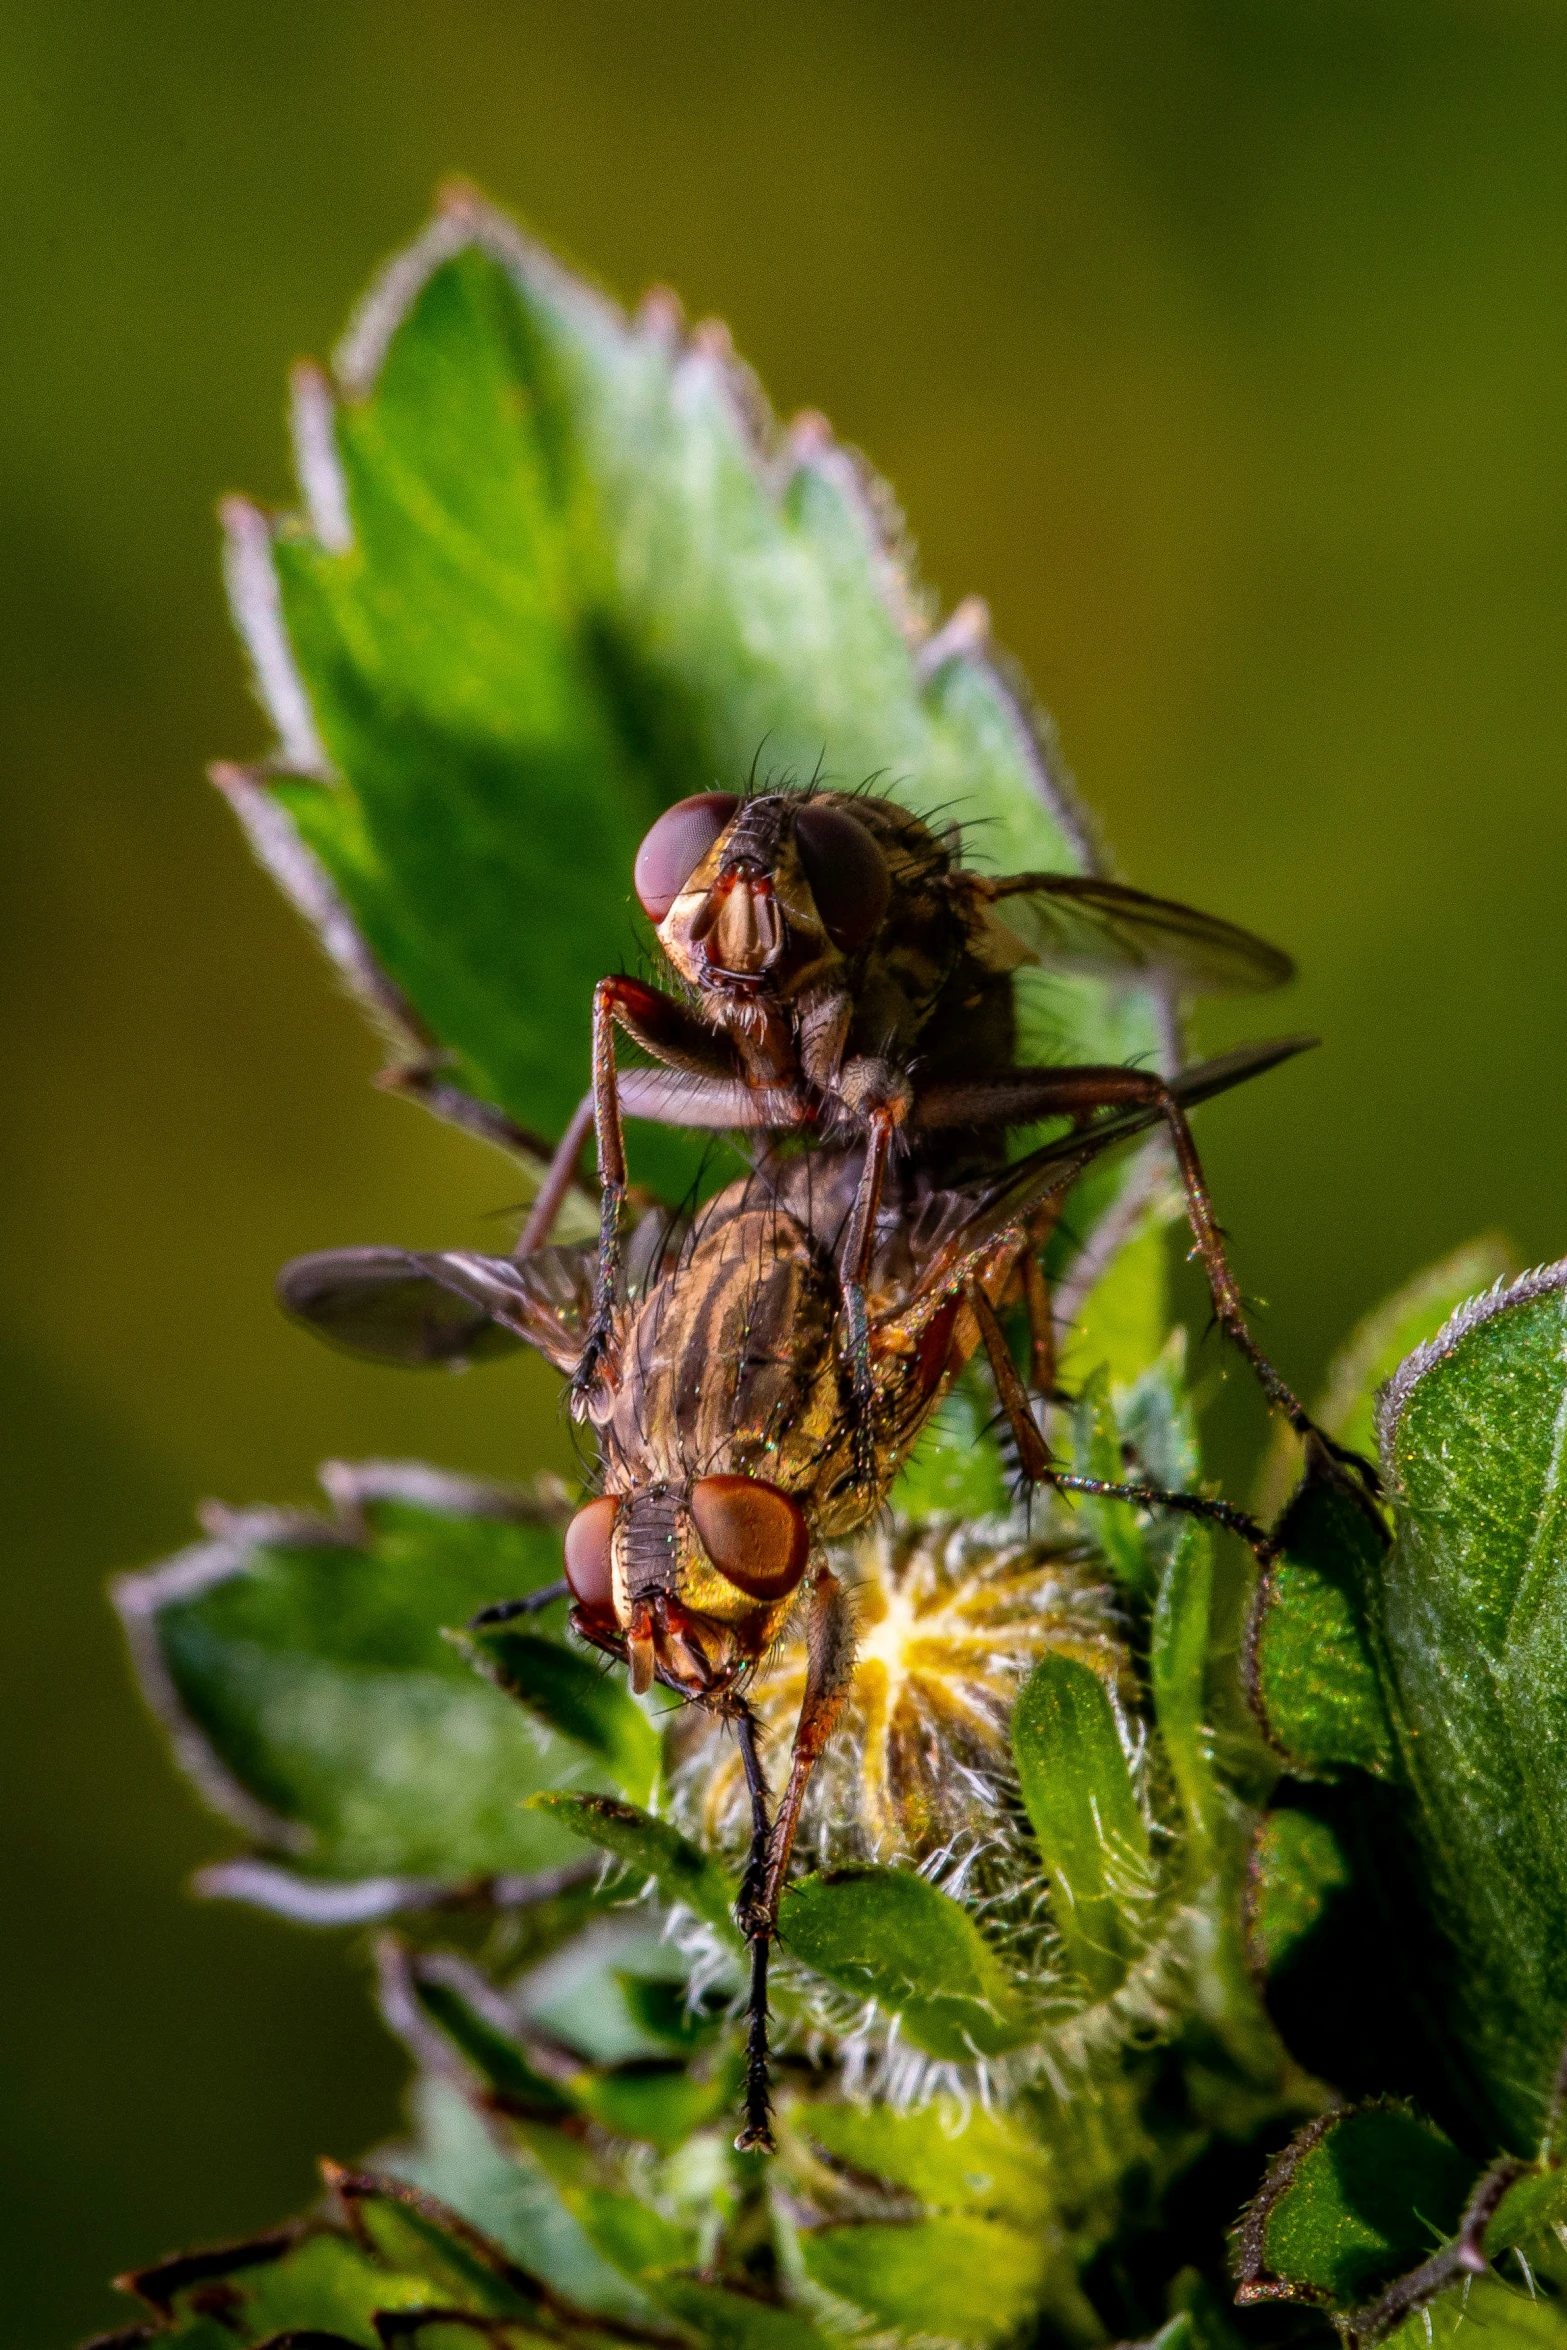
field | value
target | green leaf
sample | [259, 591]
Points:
[1159, 1435]
[403, 2251]
[1373, 1352]
[1295, 1869]
[1484, 2306]
[494, 2055]
[1357, 2199]
[335, 2282]
[1046, 2177]
[660, 2006]
[885, 1934]
[300, 1667]
[1176, 2333]
[658, 2102]
[1087, 1820]
[953, 2158]
[1310, 1669]
[617, 2230]
[574, 1697]
[557, 573]
[300, 2276]
[1123, 1321]
[407, 2231]
[510, 2195]
[956, 1469]
[436, 2329]
[954, 2276]
[579, 2002]
[629, 2233]
[1158, 1422]
[1534, 2205]
[1473, 1615]
[652, 1847]
[1177, 1671]
[734, 2321]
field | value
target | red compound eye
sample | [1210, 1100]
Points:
[678, 842]
[588, 1539]
[755, 1536]
[847, 873]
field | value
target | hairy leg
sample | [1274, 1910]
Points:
[855, 1257]
[829, 1666]
[558, 1180]
[673, 1035]
[505, 1611]
[829, 1645]
[1040, 1469]
[875, 1098]
[751, 1915]
[1022, 1096]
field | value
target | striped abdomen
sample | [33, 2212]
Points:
[729, 1367]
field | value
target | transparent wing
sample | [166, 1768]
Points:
[401, 1306]
[955, 1228]
[1079, 923]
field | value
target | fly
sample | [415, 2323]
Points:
[846, 978]
[736, 1438]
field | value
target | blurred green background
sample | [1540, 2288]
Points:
[1221, 346]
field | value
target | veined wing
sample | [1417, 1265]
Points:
[450, 1306]
[1078, 923]
[1001, 1200]
[956, 1230]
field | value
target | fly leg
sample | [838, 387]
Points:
[506, 1611]
[1040, 1469]
[681, 1041]
[854, 1265]
[423, 1081]
[559, 1177]
[829, 1666]
[1024, 1095]
[1036, 1300]
[756, 1923]
[877, 1097]
[829, 1651]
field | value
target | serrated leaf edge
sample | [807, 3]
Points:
[234, 1534]
[416, 1064]
[1462, 2255]
[304, 881]
[139, 1598]
[398, 1971]
[1540, 1281]
[161, 2280]
[463, 220]
[366, 1901]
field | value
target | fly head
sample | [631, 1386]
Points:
[770, 895]
[689, 1585]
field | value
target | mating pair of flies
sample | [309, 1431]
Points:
[756, 1373]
